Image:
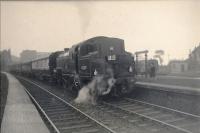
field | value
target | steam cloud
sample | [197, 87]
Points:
[100, 85]
[85, 12]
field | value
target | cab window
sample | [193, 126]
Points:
[86, 49]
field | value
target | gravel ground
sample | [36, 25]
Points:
[3, 93]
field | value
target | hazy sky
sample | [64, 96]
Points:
[173, 26]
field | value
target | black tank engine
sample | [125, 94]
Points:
[77, 66]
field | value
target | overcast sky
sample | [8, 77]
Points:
[47, 26]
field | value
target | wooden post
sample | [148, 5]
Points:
[142, 52]
[136, 64]
[146, 65]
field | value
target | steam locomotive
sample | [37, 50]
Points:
[78, 65]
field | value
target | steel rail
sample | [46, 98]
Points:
[162, 107]
[43, 112]
[149, 118]
[99, 123]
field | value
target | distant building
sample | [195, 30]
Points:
[28, 55]
[178, 66]
[15, 59]
[5, 59]
[194, 59]
[42, 55]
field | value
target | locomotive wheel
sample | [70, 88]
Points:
[59, 81]
[59, 77]
[41, 77]
[65, 83]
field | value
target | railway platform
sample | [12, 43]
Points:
[168, 87]
[20, 115]
[182, 84]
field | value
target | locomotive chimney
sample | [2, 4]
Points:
[66, 49]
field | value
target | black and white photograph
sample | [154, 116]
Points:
[100, 66]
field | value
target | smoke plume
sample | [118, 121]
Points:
[100, 85]
[85, 10]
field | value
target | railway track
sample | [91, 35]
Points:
[136, 116]
[61, 115]
[104, 117]
[173, 119]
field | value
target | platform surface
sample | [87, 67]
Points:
[20, 115]
[168, 87]
[190, 82]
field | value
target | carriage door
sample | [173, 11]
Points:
[84, 61]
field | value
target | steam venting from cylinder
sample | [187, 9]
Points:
[100, 85]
